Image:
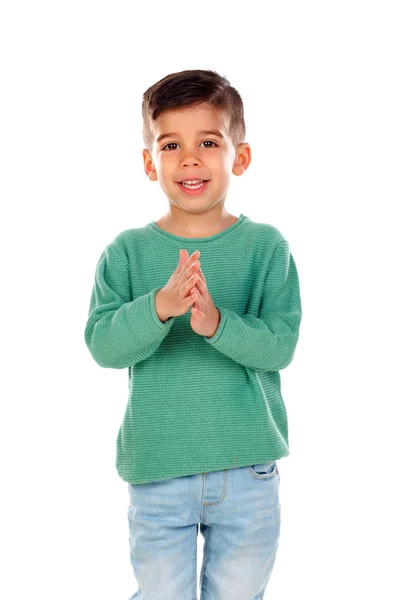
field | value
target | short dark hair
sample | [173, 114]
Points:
[193, 87]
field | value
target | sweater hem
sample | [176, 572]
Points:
[197, 471]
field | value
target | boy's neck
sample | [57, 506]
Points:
[196, 226]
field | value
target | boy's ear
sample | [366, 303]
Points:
[148, 165]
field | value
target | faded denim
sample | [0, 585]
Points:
[238, 511]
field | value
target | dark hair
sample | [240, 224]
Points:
[188, 88]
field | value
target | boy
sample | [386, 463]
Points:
[205, 421]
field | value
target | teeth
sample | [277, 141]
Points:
[193, 187]
[192, 181]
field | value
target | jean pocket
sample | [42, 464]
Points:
[266, 470]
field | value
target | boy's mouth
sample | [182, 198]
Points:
[194, 189]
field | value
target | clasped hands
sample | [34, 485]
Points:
[205, 316]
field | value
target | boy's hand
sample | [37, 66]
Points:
[205, 317]
[174, 298]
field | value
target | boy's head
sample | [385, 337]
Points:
[185, 105]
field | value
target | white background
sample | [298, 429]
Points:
[320, 86]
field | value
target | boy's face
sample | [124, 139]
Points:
[189, 153]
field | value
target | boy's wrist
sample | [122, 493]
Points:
[158, 306]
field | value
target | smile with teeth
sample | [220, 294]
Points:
[193, 184]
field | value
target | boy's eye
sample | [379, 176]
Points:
[175, 144]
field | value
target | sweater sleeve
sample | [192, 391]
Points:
[267, 342]
[121, 332]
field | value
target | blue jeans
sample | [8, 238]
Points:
[239, 515]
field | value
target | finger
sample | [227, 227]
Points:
[190, 260]
[190, 274]
[196, 295]
[196, 308]
[183, 258]
[202, 285]
[202, 275]
[191, 281]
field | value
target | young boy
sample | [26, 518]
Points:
[205, 422]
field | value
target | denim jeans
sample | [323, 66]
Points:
[238, 511]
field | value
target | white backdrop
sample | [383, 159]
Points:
[320, 86]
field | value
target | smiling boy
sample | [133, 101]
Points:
[208, 153]
[205, 422]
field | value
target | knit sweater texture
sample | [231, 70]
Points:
[197, 404]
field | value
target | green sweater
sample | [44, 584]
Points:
[197, 404]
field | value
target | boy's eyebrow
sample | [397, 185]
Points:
[206, 131]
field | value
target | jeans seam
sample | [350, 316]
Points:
[223, 495]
